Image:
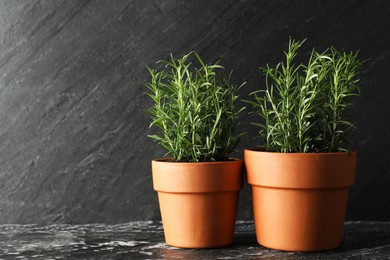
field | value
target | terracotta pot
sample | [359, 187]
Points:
[198, 201]
[299, 199]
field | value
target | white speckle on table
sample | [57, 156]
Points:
[146, 253]
[123, 243]
[161, 245]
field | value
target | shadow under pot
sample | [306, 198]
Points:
[300, 199]
[198, 201]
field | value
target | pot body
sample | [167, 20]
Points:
[300, 199]
[198, 201]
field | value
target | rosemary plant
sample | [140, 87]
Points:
[194, 107]
[304, 106]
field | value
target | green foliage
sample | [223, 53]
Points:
[304, 106]
[194, 109]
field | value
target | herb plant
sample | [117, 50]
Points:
[304, 106]
[194, 107]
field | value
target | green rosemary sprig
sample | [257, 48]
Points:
[195, 109]
[304, 107]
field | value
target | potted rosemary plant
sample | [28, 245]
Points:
[197, 183]
[300, 178]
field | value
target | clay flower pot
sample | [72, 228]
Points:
[299, 199]
[198, 201]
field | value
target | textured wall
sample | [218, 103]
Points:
[73, 145]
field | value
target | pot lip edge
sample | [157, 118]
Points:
[293, 188]
[169, 161]
[261, 150]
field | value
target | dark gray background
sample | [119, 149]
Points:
[73, 145]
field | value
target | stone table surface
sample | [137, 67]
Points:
[145, 240]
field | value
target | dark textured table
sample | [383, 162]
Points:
[145, 240]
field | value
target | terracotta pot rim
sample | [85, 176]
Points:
[300, 170]
[169, 160]
[197, 177]
[262, 150]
